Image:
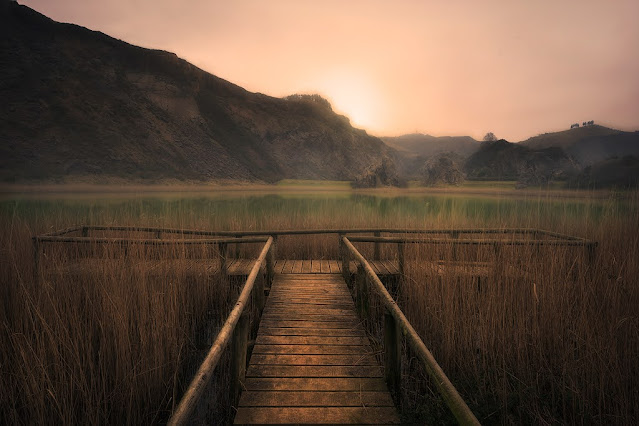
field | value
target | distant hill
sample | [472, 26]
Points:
[77, 103]
[590, 144]
[412, 151]
[418, 144]
[502, 160]
[618, 172]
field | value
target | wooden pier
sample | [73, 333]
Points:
[312, 361]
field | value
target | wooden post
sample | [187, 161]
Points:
[158, 235]
[376, 255]
[362, 292]
[85, 231]
[392, 355]
[454, 235]
[270, 266]
[223, 248]
[274, 247]
[343, 251]
[400, 258]
[239, 347]
[259, 294]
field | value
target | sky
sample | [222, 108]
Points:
[515, 68]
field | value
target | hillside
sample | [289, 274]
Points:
[427, 145]
[412, 151]
[77, 103]
[589, 145]
[503, 160]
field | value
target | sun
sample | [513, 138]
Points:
[352, 95]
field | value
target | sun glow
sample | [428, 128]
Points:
[354, 96]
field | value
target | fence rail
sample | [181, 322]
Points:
[274, 232]
[229, 330]
[395, 321]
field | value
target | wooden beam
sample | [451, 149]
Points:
[455, 403]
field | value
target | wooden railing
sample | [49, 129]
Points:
[395, 326]
[455, 236]
[236, 327]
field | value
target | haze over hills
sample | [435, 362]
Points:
[78, 103]
[412, 151]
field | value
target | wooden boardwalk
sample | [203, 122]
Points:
[312, 361]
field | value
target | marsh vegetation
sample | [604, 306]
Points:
[558, 341]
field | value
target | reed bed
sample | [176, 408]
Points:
[557, 343]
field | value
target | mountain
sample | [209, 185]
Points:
[502, 160]
[77, 103]
[418, 144]
[412, 151]
[590, 144]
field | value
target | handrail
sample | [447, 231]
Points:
[150, 241]
[470, 242]
[451, 231]
[457, 406]
[203, 376]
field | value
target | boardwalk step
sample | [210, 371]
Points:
[312, 361]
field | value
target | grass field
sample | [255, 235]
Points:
[559, 344]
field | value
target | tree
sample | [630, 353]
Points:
[490, 137]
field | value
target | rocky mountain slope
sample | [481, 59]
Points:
[77, 103]
[502, 160]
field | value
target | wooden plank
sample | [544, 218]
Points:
[315, 399]
[297, 268]
[274, 359]
[276, 331]
[380, 268]
[279, 266]
[313, 371]
[392, 267]
[320, 300]
[315, 384]
[317, 415]
[312, 349]
[310, 324]
[312, 352]
[285, 309]
[310, 340]
[306, 267]
[346, 319]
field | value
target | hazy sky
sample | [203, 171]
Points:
[516, 68]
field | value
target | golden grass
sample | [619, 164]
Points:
[557, 344]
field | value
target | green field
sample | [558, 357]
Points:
[558, 344]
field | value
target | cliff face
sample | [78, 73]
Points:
[77, 103]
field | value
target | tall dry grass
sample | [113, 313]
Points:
[118, 345]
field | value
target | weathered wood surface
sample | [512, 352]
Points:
[312, 361]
